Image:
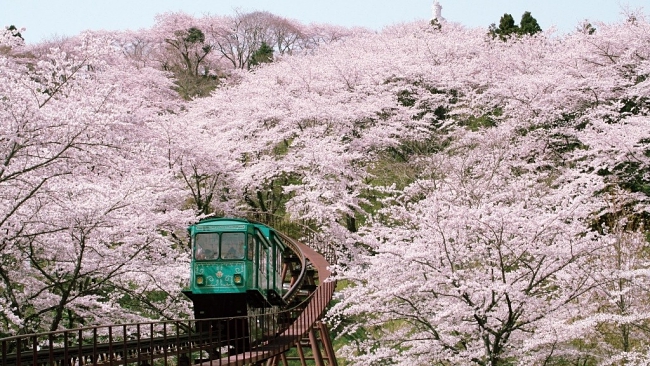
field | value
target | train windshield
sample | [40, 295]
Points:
[206, 246]
[232, 245]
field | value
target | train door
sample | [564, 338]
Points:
[261, 264]
[250, 261]
[278, 269]
[264, 265]
[273, 256]
[256, 264]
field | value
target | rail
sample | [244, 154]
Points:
[300, 278]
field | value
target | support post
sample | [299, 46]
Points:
[327, 343]
[314, 347]
[301, 354]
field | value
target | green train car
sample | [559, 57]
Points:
[236, 264]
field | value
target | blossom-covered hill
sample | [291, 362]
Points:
[488, 198]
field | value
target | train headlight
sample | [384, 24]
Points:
[237, 279]
[200, 280]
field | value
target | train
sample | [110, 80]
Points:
[236, 265]
[237, 271]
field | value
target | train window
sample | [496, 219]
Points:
[232, 245]
[251, 247]
[263, 255]
[263, 252]
[206, 246]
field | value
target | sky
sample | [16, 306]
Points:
[46, 19]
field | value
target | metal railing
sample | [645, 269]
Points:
[219, 341]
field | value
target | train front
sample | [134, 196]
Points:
[220, 275]
[221, 267]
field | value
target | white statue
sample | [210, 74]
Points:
[437, 11]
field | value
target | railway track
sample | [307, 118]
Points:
[219, 341]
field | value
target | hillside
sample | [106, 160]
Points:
[488, 197]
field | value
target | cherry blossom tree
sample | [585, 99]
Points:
[464, 265]
[87, 196]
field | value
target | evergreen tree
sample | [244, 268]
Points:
[507, 24]
[435, 24]
[506, 28]
[586, 28]
[190, 69]
[264, 54]
[528, 25]
[194, 35]
[15, 32]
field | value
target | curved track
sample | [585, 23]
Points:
[178, 342]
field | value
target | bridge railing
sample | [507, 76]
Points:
[176, 342]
